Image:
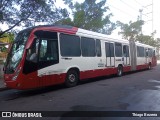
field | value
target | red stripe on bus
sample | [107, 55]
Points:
[33, 81]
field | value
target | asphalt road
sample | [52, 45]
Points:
[138, 91]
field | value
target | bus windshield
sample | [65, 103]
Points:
[16, 52]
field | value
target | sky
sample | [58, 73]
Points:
[128, 10]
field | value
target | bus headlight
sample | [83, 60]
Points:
[16, 74]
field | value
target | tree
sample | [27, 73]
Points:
[89, 15]
[158, 47]
[27, 12]
[132, 30]
[146, 39]
[7, 38]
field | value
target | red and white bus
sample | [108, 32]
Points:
[48, 55]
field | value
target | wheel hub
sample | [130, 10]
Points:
[71, 78]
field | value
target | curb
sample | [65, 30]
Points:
[3, 89]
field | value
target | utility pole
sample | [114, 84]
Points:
[152, 17]
[140, 17]
[151, 12]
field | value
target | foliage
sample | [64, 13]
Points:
[27, 12]
[89, 15]
[132, 30]
[4, 49]
[146, 39]
[158, 42]
[7, 37]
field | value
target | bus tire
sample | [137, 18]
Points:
[119, 71]
[71, 78]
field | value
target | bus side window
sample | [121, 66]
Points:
[154, 53]
[124, 51]
[118, 49]
[88, 47]
[98, 48]
[150, 52]
[48, 50]
[70, 45]
[146, 52]
[140, 51]
[127, 51]
[43, 50]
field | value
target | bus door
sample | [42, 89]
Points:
[46, 55]
[154, 58]
[110, 58]
[146, 56]
[126, 59]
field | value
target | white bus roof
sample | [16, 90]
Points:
[144, 45]
[86, 33]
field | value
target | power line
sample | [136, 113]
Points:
[152, 17]
[120, 10]
[132, 7]
[146, 14]
[138, 3]
[144, 7]
[129, 5]
[136, 9]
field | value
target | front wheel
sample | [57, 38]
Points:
[71, 78]
[119, 71]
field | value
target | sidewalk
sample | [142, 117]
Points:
[2, 85]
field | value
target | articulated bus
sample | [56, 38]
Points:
[48, 55]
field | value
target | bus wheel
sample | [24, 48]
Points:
[71, 78]
[119, 71]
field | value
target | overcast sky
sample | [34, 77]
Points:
[128, 10]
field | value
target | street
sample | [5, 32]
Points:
[137, 91]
